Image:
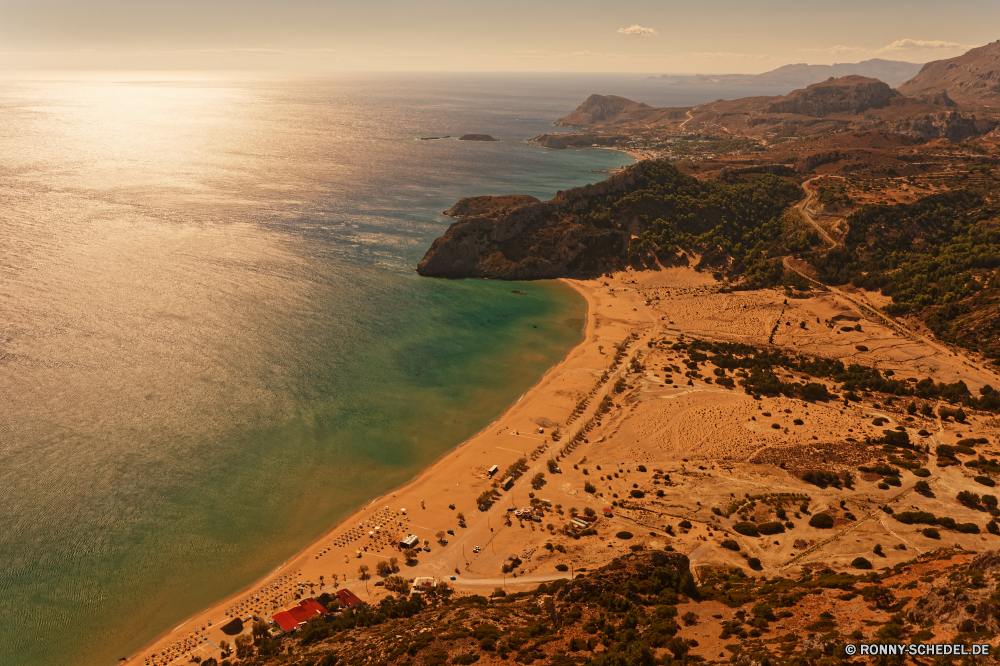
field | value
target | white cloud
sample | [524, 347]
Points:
[839, 49]
[638, 31]
[730, 56]
[923, 45]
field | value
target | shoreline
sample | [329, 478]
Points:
[688, 443]
[216, 612]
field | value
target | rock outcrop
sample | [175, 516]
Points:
[849, 94]
[600, 109]
[476, 137]
[536, 240]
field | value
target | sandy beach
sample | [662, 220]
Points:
[687, 442]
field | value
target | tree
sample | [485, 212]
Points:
[224, 646]
[552, 465]
[321, 583]
[460, 516]
[243, 645]
[397, 584]
[537, 481]
[383, 569]
[589, 512]
[364, 575]
[410, 554]
[260, 629]
[441, 535]
[394, 564]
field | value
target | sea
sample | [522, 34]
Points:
[213, 344]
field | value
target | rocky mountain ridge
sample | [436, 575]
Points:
[972, 78]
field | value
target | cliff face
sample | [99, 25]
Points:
[535, 240]
[972, 78]
[849, 94]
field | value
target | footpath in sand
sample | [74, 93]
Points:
[669, 458]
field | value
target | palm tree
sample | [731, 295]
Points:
[321, 583]
[364, 575]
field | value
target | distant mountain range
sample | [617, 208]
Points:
[893, 72]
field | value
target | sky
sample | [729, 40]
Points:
[647, 36]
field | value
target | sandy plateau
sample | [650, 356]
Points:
[701, 457]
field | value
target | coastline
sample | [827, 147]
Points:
[305, 561]
[699, 439]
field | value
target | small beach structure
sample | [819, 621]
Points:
[411, 541]
[348, 599]
[423, 584]
[507, 483]
[492, 470]
[296, 616]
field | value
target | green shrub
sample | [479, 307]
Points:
[729, 544]
[770, 528]
[985, 480]
[746, 529]
[624, 535]
[562, 567]
[821, 521]
[930, 533]
[861, 563]
[922, 472]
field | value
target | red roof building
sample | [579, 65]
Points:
[295, 617]
[347, 598]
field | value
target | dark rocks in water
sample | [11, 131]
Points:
[476, 137]
[517, 291]
[434, 138]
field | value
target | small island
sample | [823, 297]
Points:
[476, 137]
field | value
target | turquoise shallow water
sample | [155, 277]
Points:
[213, 343]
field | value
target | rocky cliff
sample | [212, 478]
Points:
[848, 94]
[534, 240]
[972, 78]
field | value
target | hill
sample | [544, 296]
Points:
[646, 608]
[893, 72]
[971, 78]
[644, 214]
[849, 94]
